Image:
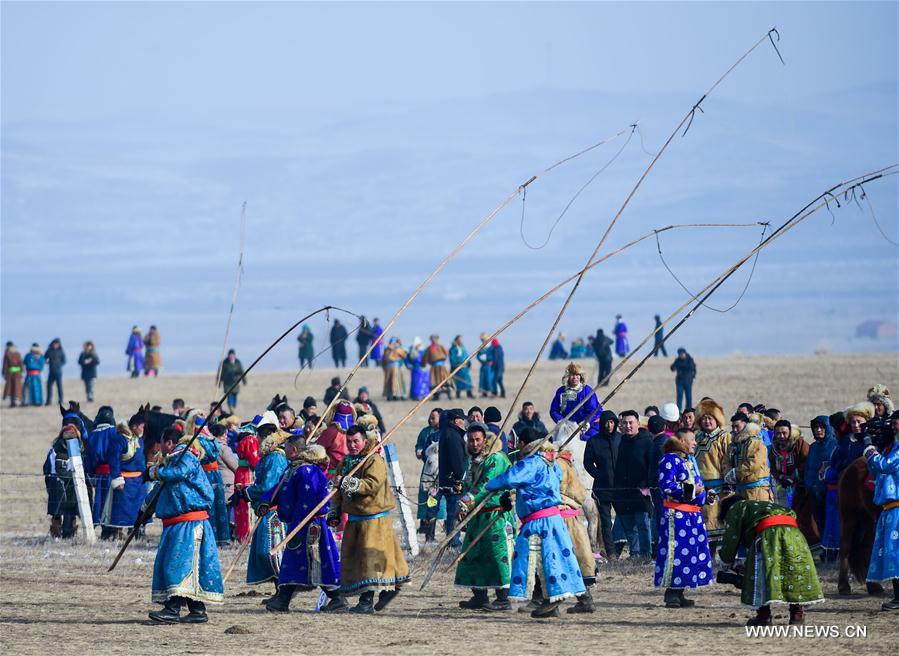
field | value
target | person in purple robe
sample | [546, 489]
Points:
[378, 351]
[569, 396]
[135, 352]
[622, 347]
[421, 382]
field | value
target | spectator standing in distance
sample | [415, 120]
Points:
[602, 346]
[306, 350]
[135, 352]
[338, 344]
[12, 375]
[499, 368]
[56, 358]
[88, 361]
[685, 371]
[153, 360]
[378, 351]
[232, 370]
[659, 339]
[34, 366]
[557, 351]
[462, 378]
[363, 339]
[622, 346]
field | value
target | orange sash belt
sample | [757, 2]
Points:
[775, 520]
[210, 466]
[192, 516]
[683, 507]
[891, 505]
[131, 474]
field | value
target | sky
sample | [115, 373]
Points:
[368, 138]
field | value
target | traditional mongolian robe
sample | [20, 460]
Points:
[622, 346]
[135, 352]
[485, 377]
[885, 554]
[749, 459]
[779, 564]
[393, 361]
[312, 557]
[187, 560]
[683, 559]
[543, 548]
[436, 356]
[247, 459]
[34, 365]
[378, 351]
[153, 361]
[462, 378]
[125, 506]
[103, 458]
[847, 449]
[12, 375]
[489, 563]
[370, 554]
[263, 566]
[788, 471]
[712, 457]
[573, 497]
[819, 454]
[567, 398]
[419, 385]
[218, 513]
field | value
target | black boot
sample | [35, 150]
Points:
[547, 609]
[584, 604]
[280, 603]
[431, 530]
[684, 602]
[762, 617]
[365, 605]
[672, 598]
[268, 600]
[337, 602]
[797, 614]
[170, 613]
[619, 548]
[197, 614]
[479, 599]
[893, 604]
[385, 597]
[536, 598]
[501, 603]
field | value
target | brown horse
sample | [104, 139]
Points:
[858, 519]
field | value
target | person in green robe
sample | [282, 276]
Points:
[489, 563]
[779, 564]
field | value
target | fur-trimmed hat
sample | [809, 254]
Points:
[709, 407]
[882, 394]
[574, 369]
[864, 409]
[314, 454]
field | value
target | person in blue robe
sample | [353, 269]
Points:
[819, 454]
[34, 366]
[557, 351]
[135, 352]
[485, 377]
[543, 546]
[103, 462]
[569, 395]
[263, 566]
[683, 559]
[186, 569]
[462, 378]
[419, 385]
[219, 515]
[622, 346]
[378, 351]
[312, 557]
[128, 491]
[883, 464]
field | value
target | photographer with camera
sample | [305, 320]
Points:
[779, 565]
[883, 464]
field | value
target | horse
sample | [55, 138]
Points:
[155, 423]
[72, 416]
[577, 446]
[858, 520]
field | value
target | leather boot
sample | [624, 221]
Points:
[797, 614]
[56, 527]
[547, 609]
[501, 603]
[684, 602]
[384, 598]
[197, 614]
[365, 605]
[893, 604]
[170, 612]
[762, 617]
[337, 602]
[479, 599]
[672, 598]
[268, 600]
[584, 604]
[280, 603]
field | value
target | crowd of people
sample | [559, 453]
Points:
[687, 490]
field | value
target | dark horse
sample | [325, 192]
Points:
[858, 520]
[155, 423]
[72, 416]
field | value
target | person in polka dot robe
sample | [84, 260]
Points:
[683, 559]
[883, 463]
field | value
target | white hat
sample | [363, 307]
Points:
[416, 341]
[269, 418]
[669, 412]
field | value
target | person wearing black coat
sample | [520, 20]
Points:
[333, 391]
[363, 338]
[338, 344]
[600, 458]
[602, 347]
[685, 371]
[452, 463]
[88, 361]
[656, 428]
[633, 478]
[56, 358]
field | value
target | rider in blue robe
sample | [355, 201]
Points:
[187, 568]
[572, 393]
[543, 548]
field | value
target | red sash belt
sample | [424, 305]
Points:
[192, 516]
[570, 512]
[683, 507]
[775, 520]
[890, 505]
[210, 466]
[552, 511]
[126, 474]
[33, 372]
[102, 469]
[831, 486]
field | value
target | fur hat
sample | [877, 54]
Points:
[314, 454]
[231, 421]
[709, 407]
[864, 409]
[574, 369]
[196, 446]
[882, 394]
[368, 422]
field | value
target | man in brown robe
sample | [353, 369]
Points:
[12, 375]
[436, 357]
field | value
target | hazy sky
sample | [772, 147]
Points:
[367, 138]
